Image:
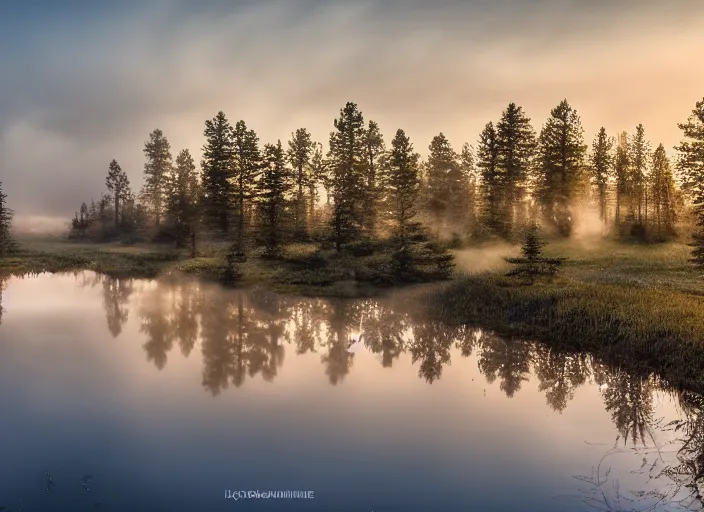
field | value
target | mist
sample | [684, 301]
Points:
[70, 104]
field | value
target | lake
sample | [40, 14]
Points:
[128, 395]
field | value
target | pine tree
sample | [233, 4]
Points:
[183, 201]
[662, 191]
[516, 145]
[414, 257]
[403, 182]
[690, 165]
[469, 174]
[156, 172]
[532, 262]
[6, 243]
[374, 153]
[273, 189]
[300, 151]
[602, 164]
[218, 170]
[443, 173]
[247, 168]
[347, 171]
[119, 185]
[318, 175]
[491, 182]
[561, 165]
[640, 151]
[105, 206]
[622, 174]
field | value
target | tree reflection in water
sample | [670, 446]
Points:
[245, 333]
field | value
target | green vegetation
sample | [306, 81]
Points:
[365, 269]
[632, 305]
[532, 262]
[7, 244]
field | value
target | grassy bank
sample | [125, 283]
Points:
[302, 268]
[641, 307]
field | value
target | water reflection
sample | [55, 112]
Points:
[243, 335]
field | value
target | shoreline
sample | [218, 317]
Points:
[640, 308]
[644, 330]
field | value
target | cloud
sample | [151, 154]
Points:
[81, 90]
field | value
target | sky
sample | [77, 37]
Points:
[83, 82]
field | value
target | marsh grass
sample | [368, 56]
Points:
[302, 269]
[648, 329]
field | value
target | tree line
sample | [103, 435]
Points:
[7, 244]
[360, 189]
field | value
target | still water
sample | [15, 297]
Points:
[127, 395]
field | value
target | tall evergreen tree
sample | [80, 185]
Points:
[183, 200]
[300, 151]
[602, 164]
[443, 180]
[374, 153]
[6, 214]
[247, 167]
[414, 256]
[639, 155]
[516, 144]
[119, 185]
[218, 171]
[403, 182]
[273, 189]
[491, 181]
[469, 174]
[561, 164]
[347, 168]
[156, 173]
[318, 175]
[690, 165]
[622, 175]
[662, 193]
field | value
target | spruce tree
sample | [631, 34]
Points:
[374, 154]
[218, 171]
[402, 185]
[300, 151]
[491, 181]
[662, 192]
[443, 179]
[156, 173]
[414, 257]
[347, 170]
[318, 175]
[690, 165]
[273, 189]
[119, 185]
[639, 155]
[516, 144]
[622, 175]
[183, 201]
[469, 175]
[602, 165]
[561, 165]
[532, 262]
[247, 168]
[6, 243]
